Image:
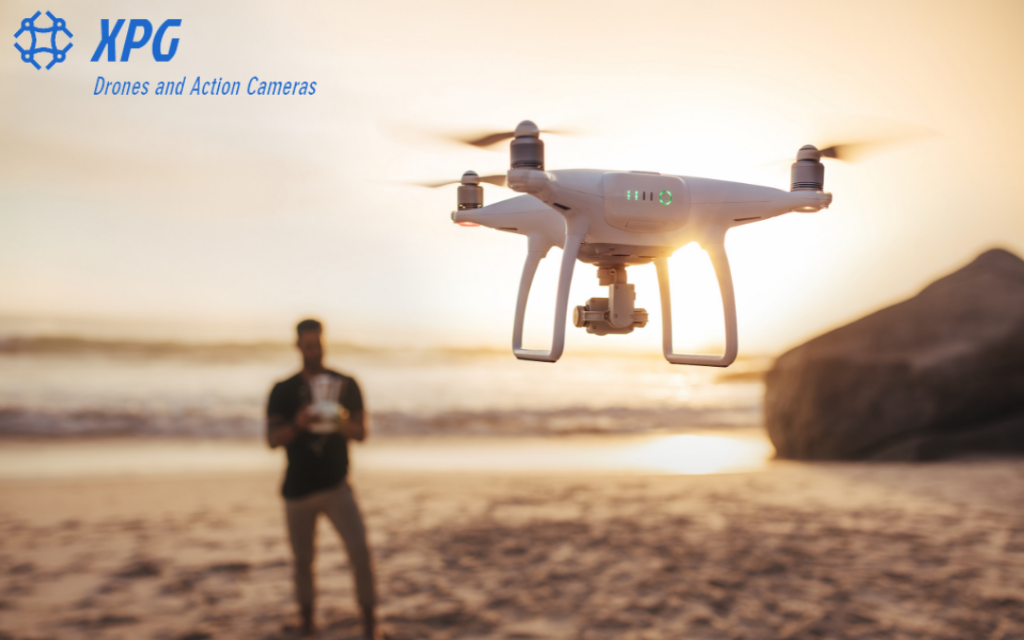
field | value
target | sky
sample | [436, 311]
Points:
[236, 216]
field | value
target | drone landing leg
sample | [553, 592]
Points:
[572, 249]
[721, 263]
[533, 259]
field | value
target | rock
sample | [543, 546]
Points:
[936, 376]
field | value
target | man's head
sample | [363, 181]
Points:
[309, 343]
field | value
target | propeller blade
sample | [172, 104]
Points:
[855, 151]
[419, 136]
[433, 185]
[853, 139]
[497, 179]
[485, 140]
[859, 150]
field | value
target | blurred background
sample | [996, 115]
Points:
[156, 251]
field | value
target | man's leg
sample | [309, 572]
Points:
[344, 514]
[301, 516]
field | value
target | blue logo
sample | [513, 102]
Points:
[56, 25]
[132, 39]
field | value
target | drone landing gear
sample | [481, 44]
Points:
[715, 251]
[614, 314]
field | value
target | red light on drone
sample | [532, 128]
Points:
[467, 224]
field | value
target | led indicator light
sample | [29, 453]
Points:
[665, 197]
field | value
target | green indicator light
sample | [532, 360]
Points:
[629, 195]
[665, 197]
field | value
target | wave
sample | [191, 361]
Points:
[200, 424]
[76, 346]
[61, 345]
[73, 345]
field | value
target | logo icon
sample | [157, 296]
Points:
[56, 25]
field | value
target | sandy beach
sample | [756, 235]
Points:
[792, 550]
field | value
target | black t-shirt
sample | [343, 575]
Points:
[315, 461]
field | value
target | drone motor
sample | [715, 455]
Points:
[808, 174]
[471, 194]
[527, 148]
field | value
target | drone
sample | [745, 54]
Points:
[617, 219]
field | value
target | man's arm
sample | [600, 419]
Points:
[281, 432]
[355, 427]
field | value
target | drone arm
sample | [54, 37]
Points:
[716, 251]
[533, 258]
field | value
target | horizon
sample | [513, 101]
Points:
[191, 333]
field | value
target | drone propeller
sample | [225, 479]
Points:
[835, 151]
[419, 136]
[847, 151]
[490, 139]
[850, 152]
[855, 151]
[497, 179]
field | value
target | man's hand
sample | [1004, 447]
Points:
[304, 418]
[281, 433]
[354, 428]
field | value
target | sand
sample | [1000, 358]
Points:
[791, 551]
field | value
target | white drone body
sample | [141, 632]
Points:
[614, 219]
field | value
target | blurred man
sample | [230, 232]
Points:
[313, 415]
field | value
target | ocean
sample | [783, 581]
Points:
[57, 386]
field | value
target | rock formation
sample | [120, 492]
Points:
[936, 376]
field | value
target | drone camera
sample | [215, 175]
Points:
[808, 174]
[599, 318]
[471, 194]
[614, 314]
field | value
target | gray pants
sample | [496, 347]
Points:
[339, 505]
